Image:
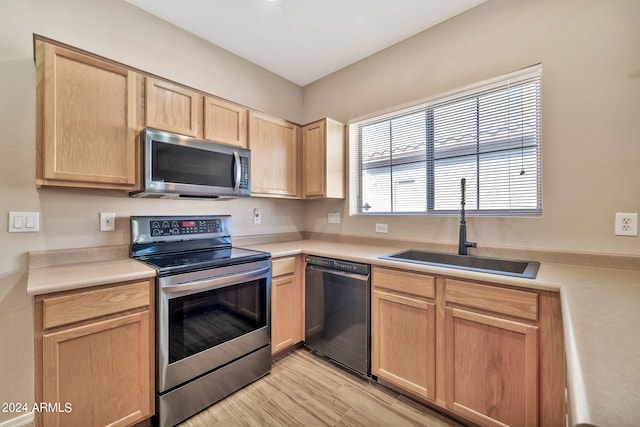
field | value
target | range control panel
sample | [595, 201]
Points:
[149, 229]
[177, 227]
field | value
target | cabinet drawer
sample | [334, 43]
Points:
[404, 281]
[510, 302]
[282, 266]
[84, 305]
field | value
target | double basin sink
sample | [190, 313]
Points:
[504, 267]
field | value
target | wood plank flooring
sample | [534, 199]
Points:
[303, 389]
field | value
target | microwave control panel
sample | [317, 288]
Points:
[244, 173]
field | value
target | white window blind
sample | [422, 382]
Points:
[411, 161]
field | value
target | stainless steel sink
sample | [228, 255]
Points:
[504, 267]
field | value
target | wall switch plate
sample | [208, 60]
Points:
[382, 228]
[333, 218]
[257, 216]
[24, 222]
[107, 221]
[626, 224]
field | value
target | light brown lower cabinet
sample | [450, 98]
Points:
[287, 318]
[491, 348]
[492, 369]
[403, 331]
[491, 355]
[94, 355]
[404, 340]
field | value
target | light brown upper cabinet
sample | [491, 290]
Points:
[85, 120]
[225, 122]
[172, 107]
[323, 159]
[274, 156]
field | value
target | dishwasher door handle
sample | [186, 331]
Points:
[337, 272]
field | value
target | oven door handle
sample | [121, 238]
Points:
[215, 282]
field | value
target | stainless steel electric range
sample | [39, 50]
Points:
[213, 333]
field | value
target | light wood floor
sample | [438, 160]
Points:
[303, 389]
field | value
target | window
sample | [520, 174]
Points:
[411, 161]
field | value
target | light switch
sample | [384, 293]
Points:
[18, 222]
[23, 222]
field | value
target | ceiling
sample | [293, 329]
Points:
[304, 40]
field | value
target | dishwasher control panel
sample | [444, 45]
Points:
[338, 264]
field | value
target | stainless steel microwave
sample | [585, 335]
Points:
[176, 166]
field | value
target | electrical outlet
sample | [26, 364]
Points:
[257, 216]
[626, 224]
[107, 221]
[333, 218]
[382, 228]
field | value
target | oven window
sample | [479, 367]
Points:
[204, 320]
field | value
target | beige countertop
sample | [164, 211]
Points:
[600, 308]
[602, 344]
[51, 271]
[551, 276]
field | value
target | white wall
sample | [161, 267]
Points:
[590, 50]
[69, 218]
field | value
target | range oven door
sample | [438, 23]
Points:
[208, 318]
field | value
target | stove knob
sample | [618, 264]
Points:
[174, 224]
[155, 232]
[165, 224]
[175, 231]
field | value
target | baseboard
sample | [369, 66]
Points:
[20, 421]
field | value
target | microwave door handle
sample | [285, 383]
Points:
[237, 169]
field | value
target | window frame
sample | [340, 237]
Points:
[517, 79]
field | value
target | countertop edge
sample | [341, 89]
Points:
[49, 279]
[577, 402]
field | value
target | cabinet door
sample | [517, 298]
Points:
[171, 107]
[492, 369]
[225, 122]
[274, 156]
[314, 159]
[286, 313]
[86, 120]
[102, 370]
[323, 159]
[403, 342]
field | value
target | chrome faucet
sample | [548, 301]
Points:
[462, 241]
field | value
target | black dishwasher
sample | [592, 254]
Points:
[337, 311]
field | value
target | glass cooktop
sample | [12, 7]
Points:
[199, 260]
